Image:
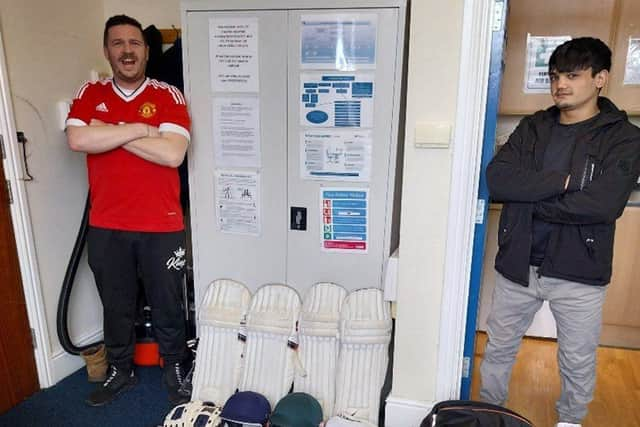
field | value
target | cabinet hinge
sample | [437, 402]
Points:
[4, 153]
[33, 338]
[498, 8]
[480, 211]
[9, 192]
[466, 367]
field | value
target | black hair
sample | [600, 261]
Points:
[121, 20]
[580, 54]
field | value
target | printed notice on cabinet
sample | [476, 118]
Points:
[345, 219]
[236, 132]
[536, 70]
[233, 52]
[344, 42]
[632, 67]
[335, 155]
[336, 100]
[238, 202]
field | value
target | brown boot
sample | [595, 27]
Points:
[96, 361]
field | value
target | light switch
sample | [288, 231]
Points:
[432, 135]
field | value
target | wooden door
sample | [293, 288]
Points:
[18, 375]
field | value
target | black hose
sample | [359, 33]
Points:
[67, 285]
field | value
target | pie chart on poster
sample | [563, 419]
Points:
[317, 117]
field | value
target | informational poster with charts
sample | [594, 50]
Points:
[536, 70]
[335, 155]
[345, 219]
[344, 42]
[336, 100]
[632, 67]
[238, 202]
[236, 132]
[233, 53]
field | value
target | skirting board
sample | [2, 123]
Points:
[64, 364]
[405, 413]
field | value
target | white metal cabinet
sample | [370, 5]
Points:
[279, 254]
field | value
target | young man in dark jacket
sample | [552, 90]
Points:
[564, 177]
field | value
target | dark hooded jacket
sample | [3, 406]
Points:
[604, 170]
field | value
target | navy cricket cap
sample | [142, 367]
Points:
[247, 407]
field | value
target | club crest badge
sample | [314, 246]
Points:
[147, 110]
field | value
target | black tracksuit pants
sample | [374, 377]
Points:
[117, 258]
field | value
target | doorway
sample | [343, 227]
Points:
[610, 21]
[18, 373]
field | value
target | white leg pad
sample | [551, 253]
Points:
[270, 363]
[365, 333]
[319, 329]
[219, 356]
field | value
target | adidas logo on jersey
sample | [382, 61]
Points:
[102, 107]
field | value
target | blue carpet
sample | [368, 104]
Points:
[63, 405]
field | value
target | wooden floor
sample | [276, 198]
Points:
[535, 384]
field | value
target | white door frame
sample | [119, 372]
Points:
[465, 176]
[22, 229]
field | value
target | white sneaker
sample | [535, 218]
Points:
[568, 425]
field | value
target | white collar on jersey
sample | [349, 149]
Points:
[127, 94]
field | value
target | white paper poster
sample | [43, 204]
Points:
[336, 100]
[335, 155]
[238, 202]
[344, 42]
[236, 132]
[536, 70]
[233, 52]
[632, 67]
[345, 219]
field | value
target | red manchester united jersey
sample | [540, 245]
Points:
[126, 191]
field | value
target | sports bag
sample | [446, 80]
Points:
[467, 413]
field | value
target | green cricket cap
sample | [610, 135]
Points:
[297, 410]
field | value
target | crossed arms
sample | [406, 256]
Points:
[145, 141]
[600, 201]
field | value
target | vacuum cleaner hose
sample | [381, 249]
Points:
[67, 285]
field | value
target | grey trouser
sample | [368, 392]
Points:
[577, 309]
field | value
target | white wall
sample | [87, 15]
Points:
[431, 96]
[161, 13]
[50, 48]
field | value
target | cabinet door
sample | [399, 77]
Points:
[546, 18]
[307, 262]
[254, 260]
[626, 97]
[621, 316]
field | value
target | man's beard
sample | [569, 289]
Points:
[123, 75]
[564, 105]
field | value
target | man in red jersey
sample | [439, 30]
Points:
[135, 132]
